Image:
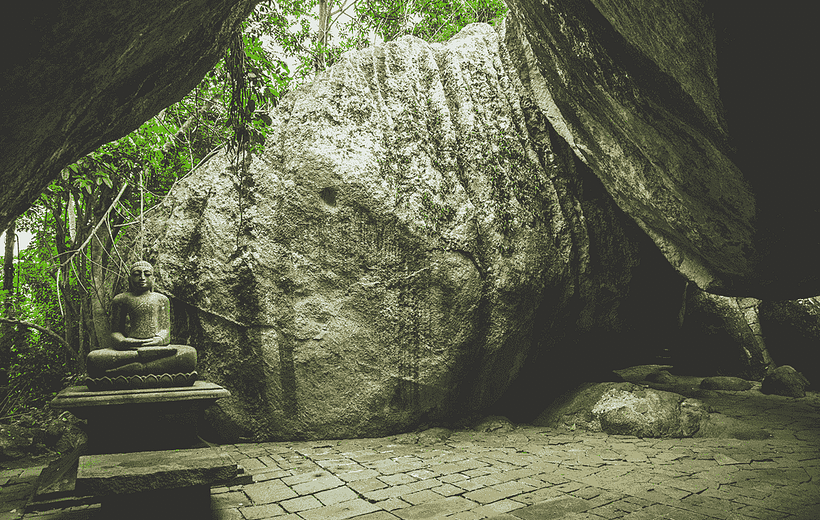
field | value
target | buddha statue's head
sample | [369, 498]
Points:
[141, 277]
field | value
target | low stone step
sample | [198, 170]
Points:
[128, 473]
[55, 488]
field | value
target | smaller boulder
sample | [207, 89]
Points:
[649, 413]
[494, 424]
[661, 376]
[725, 383]
[626, 409]
[786, 381]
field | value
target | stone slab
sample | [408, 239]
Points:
[78, 397]
[58, 478]
[128, 473]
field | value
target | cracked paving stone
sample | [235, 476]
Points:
[356, 475]
[341, 511]
[261, 512]
[295, 505]
[314, 486]
[485, 496]
[333, 496]
[447, 506]
[552, 509]
[420, 497]
[365, 485]
[269, 491]
[392, 503]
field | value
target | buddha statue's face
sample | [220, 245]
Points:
[141, 278]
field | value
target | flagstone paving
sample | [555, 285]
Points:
[528, 473]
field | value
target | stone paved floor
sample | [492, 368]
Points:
[524, 474]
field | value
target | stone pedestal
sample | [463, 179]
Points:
[140, 420]
[127, 421]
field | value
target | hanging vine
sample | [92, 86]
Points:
[240, 114]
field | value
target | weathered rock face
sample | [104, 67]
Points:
[627, 409]
[412, 236]
[721, 335]
[792, 330]
[662, 100]
[80, 74]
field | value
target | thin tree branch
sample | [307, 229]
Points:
[152, 208]
[44, 330]
[87, 240]
[340, 11]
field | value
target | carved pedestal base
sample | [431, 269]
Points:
[138, 381]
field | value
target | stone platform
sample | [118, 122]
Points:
[140, 420]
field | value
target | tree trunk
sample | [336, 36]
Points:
[67, 296]
[324, 25]
[8, 263]
[7, 332]
[101, 288]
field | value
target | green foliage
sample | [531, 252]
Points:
[35, 365]
[315, 33]
[430, 20]
[287, 23]
[35, 376]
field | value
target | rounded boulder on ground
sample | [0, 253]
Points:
[626, 409]
[786, 381]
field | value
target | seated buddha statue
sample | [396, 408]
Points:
[141, 337]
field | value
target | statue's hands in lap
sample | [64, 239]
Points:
[124, 343]
[150, 353]
[156, 341]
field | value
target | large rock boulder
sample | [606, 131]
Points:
[80, 74]
[721, 335]
[662, 100]
[626, 409]
[413, 234]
